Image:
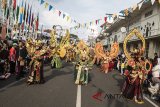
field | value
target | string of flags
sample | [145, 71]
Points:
[60, 13]
[25, 16]
[110, 18]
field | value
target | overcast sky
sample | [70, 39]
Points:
[81, 10]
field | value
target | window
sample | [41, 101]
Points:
[148, 13]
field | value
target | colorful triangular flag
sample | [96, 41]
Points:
[42, 1]
[64, 16]
[105, 19]
[46, 5]
[68, 18]
[50, 7]
[60, 13]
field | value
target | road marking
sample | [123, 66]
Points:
[9, 85]
[78, 102]
[150, 101]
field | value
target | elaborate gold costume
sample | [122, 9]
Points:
[105, 57]
[134, 80]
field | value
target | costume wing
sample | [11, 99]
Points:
[114, 50]
[99, 51]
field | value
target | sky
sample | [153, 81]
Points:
[81, 10]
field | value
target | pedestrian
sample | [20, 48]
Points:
[155, 60]
[12, 58]
[122, 67]
[21, 60]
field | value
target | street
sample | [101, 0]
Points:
[59, 90]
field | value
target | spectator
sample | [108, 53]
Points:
[155, 59]
[12, 58]
[122, 67]
[21, 60]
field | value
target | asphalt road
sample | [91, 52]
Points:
[60, 91]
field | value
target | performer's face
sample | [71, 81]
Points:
[83, 58]
[107, 53]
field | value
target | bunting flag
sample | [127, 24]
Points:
[46, 5]
[105, 19]
[96, 22]
[109, 17]
[59, 13]
[85, 24]
[64, 16]
[42, 1]
[90, 23]
[68, 18]
[50, 7]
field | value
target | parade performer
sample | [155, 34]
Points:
[105, 63]
[56, 61]
[82, 64]
[59, 50]
[36, 64]
[133, 86]
[4, 65]
[70, 54]
[106, 57]
[135, 73]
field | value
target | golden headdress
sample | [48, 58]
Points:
[140, 36]
[63, 44]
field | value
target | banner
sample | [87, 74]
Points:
[3, 34]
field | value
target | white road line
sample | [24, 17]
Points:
[78, 102]
[150, 101]
[4, 88]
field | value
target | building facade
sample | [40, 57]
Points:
[147, 21]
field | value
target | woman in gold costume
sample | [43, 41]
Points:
[105, 63]
[36, 64]
[107, 56]
[136, 71]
